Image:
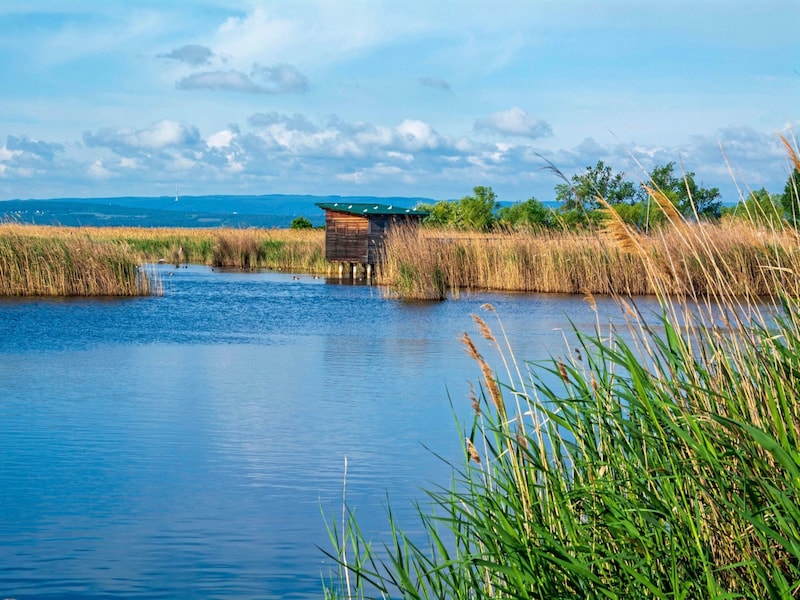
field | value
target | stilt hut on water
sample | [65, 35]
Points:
[355, 232]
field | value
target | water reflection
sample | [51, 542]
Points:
[185, 446]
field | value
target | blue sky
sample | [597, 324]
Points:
[390, 98]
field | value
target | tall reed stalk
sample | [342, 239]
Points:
[662, 460]
[432, 263]
[31, 265]
[286, 249]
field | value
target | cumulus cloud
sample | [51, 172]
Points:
[97, 170]
[282, 79]
[24, 144]
[515, 122]
[233, 81]
[191, 54]
[296, 121]
[278, 79]
[417, 135]
[435, 83]
[160, 135]
[221, 139]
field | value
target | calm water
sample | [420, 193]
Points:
[188, 445]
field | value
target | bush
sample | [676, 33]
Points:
[301, 223]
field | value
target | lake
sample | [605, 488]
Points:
[192, 445]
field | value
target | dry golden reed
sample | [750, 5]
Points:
[68, 265]
[296, 250]
[682, 259]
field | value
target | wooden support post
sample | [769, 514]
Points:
[355, 266]
[369, 271]
[341, 270]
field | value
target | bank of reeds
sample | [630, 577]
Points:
[300, 250]
[430, 264]
[287, 249]
[660, 459]
[68, 265]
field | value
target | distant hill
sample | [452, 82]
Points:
[275, 210]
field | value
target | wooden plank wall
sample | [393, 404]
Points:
[346, 237]
[378, 227]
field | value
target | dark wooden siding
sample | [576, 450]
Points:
[356, 238]
[378, 227]
[346, 237]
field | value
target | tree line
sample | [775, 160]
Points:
[579, 207]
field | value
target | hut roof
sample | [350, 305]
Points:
[362, 208]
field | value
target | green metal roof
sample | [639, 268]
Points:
[358, 208]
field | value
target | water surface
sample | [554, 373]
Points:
[189, 445]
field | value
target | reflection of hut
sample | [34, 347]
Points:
[354, 232]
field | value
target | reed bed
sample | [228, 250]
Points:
[655, 459]
[431, 264]
[287, 249]
[296, 250]
[68, 265]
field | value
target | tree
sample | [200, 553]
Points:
[760, 207]
[684, 193]
[301, 223]
[443, 213]
[596, 181]
[790, 200]
[530, 213]
[477, 211]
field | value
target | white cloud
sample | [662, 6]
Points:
[417, 135]
[97, 170]
[401, 156]
[162, 134]
[128, 163]
[6, 154]
[221, 139]
[234, 81]
[281, 79]
[515, 122]
[278, 79]
[317, 31]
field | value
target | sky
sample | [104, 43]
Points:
[415, 98]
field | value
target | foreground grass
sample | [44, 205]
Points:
[662, 463]
[660, 459]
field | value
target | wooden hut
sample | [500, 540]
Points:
[355, 232]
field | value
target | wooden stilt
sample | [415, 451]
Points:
[369, 272]
[341, 270]
[355, 266]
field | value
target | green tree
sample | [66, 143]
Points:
[760, 207]
[640, 215]
[684, 192]
[477, 211]
[596, 181]
[531, 213]
[443, 213]
[790, 200]
[301, 223]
